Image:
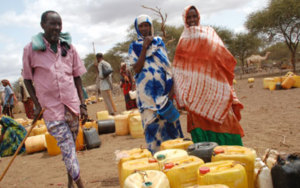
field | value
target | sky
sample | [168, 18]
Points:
[104, 22]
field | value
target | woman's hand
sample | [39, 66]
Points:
[147, 41]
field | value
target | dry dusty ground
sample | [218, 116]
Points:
[271, 119]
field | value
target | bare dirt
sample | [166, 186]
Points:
[271, 119]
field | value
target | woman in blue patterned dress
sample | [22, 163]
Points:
[12, 134]
[149, 59]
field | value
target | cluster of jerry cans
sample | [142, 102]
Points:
[181, 163]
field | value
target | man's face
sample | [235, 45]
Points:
[145, 29]
[52, 28]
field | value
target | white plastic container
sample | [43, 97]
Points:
[262, 175]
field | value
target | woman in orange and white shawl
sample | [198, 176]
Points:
[203, 75]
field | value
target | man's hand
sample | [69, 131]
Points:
[37, 111]
[83, 112]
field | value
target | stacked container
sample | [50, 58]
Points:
[182, 172]
[132, 166]
[227, 172]
[148, 178]
[121, 125]
[128, 155]
[243, 155]
[178, 143]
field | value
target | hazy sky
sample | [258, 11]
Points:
[104, 22]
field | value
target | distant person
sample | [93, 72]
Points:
[12, 134]
[9, 99]
[26, 99]
[106, 84]
[52, 63]
[154, 82]
[203, 75]
[127, 84]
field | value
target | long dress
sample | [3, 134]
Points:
[203, 74]
[154, 83]
[13, 134]
[127, 84]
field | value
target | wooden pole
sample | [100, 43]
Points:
[20, 146]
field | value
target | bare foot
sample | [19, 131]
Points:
[79, 183]
[70, 181]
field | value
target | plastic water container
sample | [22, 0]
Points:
[262, 175]
[106, 126]
[102, 115]
[121, 125]
[243, 155]
[91, 138]
[250, 80]
[297, 81]
[288, 82]
[128, 155]
[39, 130]
[130, 167]
[182, 172]
[203, 150]
[147, 178]
[79, 140]
[51, 143]
[165, 156]
[90, 124]
[169, 112]
[286, 172]
[267, 81]
[209, 186]
[35, 143]
[272, 86]
[178, 143]
[135, 126]
[225, 172]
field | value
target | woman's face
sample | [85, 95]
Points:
[192, 17]
[145, 29]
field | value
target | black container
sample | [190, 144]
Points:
[202, 150]
[91, 138]
[106, 126]
[278, 86]
[286, 172]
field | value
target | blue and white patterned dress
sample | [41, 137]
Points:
[154, 83]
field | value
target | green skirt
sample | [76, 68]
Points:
[199, 135]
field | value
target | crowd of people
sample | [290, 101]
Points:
[199, 81]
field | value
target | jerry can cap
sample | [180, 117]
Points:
[161, 157]
[147, 184]
[219, 150]
[169, 165]
[151, 160]
[204, 170]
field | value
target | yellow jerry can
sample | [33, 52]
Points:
[132, 166]
[128, 155]
[135, 126]
[245, 156]
[35, 143]
[225, 172]
[182, 172]
[178, 143]
[147, 178]
[102, 115]
[165, 156]
[52, 147]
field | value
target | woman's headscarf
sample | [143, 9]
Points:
[140, 19]
[8, 83]
[124, 72]
[203, 72]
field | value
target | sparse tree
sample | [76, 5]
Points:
[280, 21]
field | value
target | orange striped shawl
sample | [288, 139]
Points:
[203, 73]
